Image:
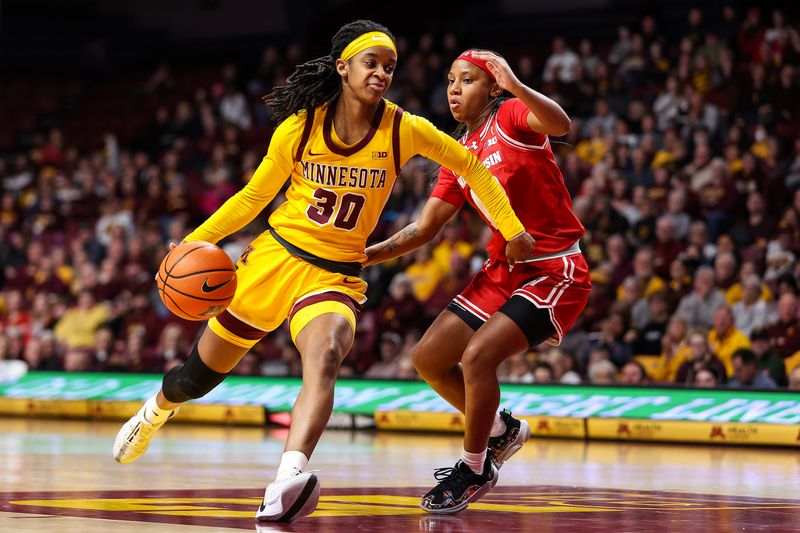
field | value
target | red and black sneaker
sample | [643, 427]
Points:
[502, 447]
[458, 487]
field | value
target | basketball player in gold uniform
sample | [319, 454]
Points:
[341, 145]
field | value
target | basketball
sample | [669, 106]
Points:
[196, 280]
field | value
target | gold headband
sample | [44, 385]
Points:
[368, 40]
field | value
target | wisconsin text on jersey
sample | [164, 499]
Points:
[342, 176]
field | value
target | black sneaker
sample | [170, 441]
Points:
[502, 447]
[458, 487]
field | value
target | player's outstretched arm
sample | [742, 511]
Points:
[545, 116]
[434, 215]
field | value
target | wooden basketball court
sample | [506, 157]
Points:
[60, 476]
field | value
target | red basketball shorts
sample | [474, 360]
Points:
[560, 285]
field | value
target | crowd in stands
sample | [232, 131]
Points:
[683, 161]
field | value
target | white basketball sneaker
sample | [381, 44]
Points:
[134, 437]
[290, 498]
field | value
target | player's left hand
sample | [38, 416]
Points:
[500, 69]
[172, 246]
[519, 249]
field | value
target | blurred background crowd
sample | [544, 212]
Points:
[683, 161]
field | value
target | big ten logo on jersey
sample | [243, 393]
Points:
[490, 142]
[380, 155]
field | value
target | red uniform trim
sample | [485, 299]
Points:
[398, 114]
[239, 328]
[373, 128]
[325, 297]
[306, 134]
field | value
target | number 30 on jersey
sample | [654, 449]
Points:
[347, 208]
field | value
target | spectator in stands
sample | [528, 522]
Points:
[779, 256]
[424, 273]
[563, 63]
[518, 369]
[675, 350]
[757, 228]
[389, 349]
[794, 379]
[611, 339]
[632, 304]
[644, 271]
[543, 372]
[746, 374]
[15, 348]
[173, 344]
[43, 312]
[633, 373]
[562, 364]
[622, 47]
[751, 312]
[785, 333]
[699, 250]
[233, 107]
[725, 270]
[699, 357]
[724, 339]
[666, 247]
[16, 316]
[707, 377]
[399, 308]
[40, 353]
[104, 348]
[736, 292]
[698, 307]
[648, 338]
[768, 362]
[77, 360]
[76, 329]
[676, 210]
[455, 278]
[602, 372]
[603, 117]
[4, 348]
[618, 262]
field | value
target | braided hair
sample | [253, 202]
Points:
[315, 82]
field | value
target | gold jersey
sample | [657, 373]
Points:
[338, 191]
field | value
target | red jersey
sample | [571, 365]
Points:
[524, 164]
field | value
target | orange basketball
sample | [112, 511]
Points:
[196, 280]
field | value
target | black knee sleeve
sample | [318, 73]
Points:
[191, 380]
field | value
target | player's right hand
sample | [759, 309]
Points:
[519, 249]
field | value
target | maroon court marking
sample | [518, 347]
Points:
[632, 510]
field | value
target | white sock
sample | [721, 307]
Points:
[474, 460]
[153, 413]
[291, 463]
[498, 427]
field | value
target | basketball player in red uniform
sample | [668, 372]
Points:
[506, 309]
